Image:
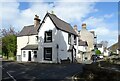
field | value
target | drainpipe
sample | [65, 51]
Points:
[57, 53]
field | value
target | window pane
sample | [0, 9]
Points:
[48, 53]
[48, 36]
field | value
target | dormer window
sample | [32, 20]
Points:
[69, 38]
[48, 36]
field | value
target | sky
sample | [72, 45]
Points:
[100, 16]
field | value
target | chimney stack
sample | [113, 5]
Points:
[84, 26]
[36, 21]
[75, 28]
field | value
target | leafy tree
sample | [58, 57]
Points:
[98, 52]
[9, 42]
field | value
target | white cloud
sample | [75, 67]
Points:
[70, 12]
[60, 0]
[102, 29]
[108, 15]
[66, 11]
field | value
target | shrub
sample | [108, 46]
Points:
[98, 52]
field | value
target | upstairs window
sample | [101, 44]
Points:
[75, 40]
[48, 36]
[36, 38]
[69, 38]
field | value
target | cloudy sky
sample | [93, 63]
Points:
[100, 16]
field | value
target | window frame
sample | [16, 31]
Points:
[24, 53]
[35, 54]
[46, 38]
[37, 38]
[49, 54]
[69, 38]
[75, 39]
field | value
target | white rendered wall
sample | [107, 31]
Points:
[59, 38]
[101, 49]
[22, 41]
[25, 59]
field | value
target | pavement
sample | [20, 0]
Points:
[37, 71]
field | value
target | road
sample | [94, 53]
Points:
[38, 71]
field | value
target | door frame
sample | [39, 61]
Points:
[29, 55]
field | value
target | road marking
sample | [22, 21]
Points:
[9, 74]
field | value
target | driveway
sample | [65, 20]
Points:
[38, 71]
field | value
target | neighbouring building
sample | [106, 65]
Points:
[53, 40]
[27, 42]
[57, 40]
[86, 41]
[82, 50]
[101, 48]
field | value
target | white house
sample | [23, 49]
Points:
[101, 48]
[57, 40]
[27, 42]
[82, 50]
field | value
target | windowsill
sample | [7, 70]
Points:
[48, 59]
[47, 42]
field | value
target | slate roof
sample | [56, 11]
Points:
[30, 47]
[82, 43]
[28, 30]
[60, 24]
[99, 45]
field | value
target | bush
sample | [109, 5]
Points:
[98, 52]
[94, 73]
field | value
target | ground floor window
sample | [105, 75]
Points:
[35, 54]
[24, 55]
[48, 53]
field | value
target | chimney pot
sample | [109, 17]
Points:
[75, 28]
[36, 21]
[84, 25]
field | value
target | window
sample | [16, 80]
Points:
[48, 36]
[69, 38]
[36, 38]
[35, 54]
[75, 40]
[48, 54]
[24, 55]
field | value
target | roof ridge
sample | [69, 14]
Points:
[60, 19]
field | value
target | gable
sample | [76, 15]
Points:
[59, 24]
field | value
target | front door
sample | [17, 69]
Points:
[29, 55]
[73, 55]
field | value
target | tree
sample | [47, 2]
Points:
[9, 42]
[98, 52]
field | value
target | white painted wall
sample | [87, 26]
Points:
[22, 41]
[106, 53]
[101, 49]
[58, 37]
[82, 48]
[25, 59]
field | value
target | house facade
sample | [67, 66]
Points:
[53, 41]
[27, 42]
[57, 40]
[101, 48]
[86, 43]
